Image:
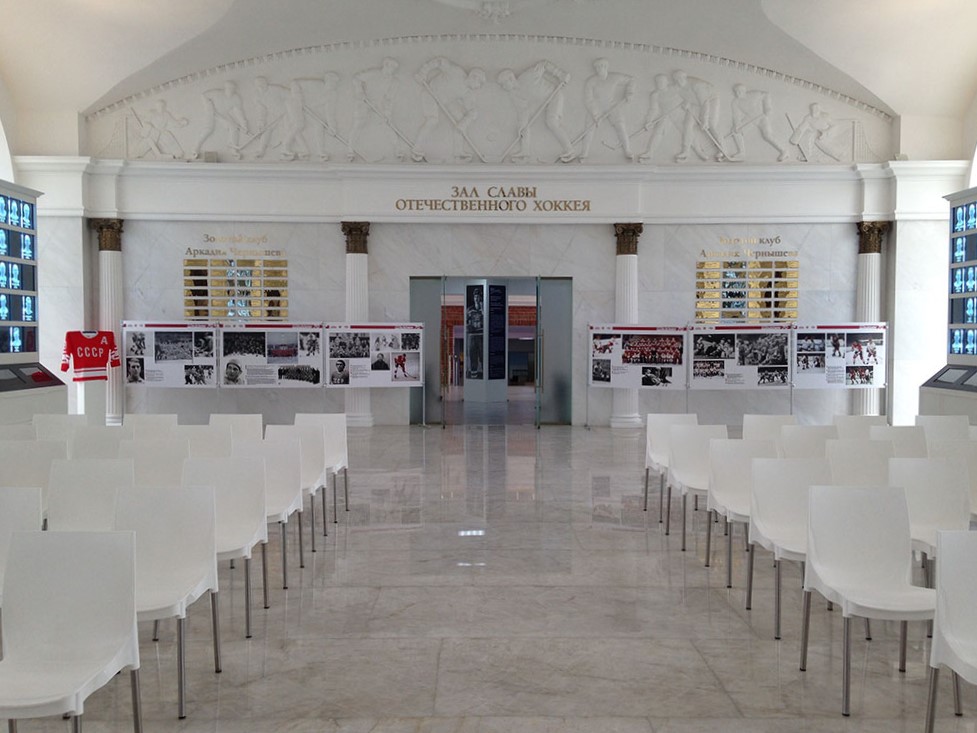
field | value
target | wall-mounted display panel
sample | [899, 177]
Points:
[374, 354]
[270, 355]
[840, 356]
[741, 357]
[648, 357]
[170, 354]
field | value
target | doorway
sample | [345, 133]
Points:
[508, 366]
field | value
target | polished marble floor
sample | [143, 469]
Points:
[490, 579]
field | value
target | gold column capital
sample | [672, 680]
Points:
[627, 237]
[109, 234]
[357, 232]
[870, 236]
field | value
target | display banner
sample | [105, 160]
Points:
[497, 323]
[270, 355]
[374, 355]
[637, 357]
[170, 354]
[741, 357]
[847, 356]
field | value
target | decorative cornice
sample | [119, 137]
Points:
[467, 38]
[357, 232]
[870, 235]
[109, 234]
[627, 237]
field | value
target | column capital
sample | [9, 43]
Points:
[627, 237]
[870, 236]
[356, 233]
[109, 234]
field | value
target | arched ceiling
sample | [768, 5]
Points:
[69, 57]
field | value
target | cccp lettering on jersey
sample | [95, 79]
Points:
[91, 351]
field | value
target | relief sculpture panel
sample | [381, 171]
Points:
[499, 101]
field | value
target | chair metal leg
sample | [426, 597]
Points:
[661, 496]
[136, 701]
[646, 487]
[685, 501]
[749, 577]
[284, 555]
[729, 553]
[668, 512]
[903, 643]
[708, 537]
[75, 724]
[216, 625]
[264, 572]
[325, 512]
[312, 521]
[346, 488]
[335, 506]
[846, 667]
[156, 630]
[776, 599]
[805, 628]
[868, 630]
[11, 726]
[181, 667]
[301, 541]
[957, 707]
[931, 699]
[247, 598]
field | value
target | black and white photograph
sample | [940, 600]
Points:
[203, 344]
[136, 343]
[310, 343]
[652, 376]
[381, 362]
[198, 375]
[709, 369]
[135, 370]
[300, 373]
[473, 357]
[601, 370]
[410, 341]
[349, 345]
[173, 346]
[810, 342]
[810, 362]
[714, 345]
[244, 343]
[338, 371]
[772, 375]
[474, 309]
[762, 349]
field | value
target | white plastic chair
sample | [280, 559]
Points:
[312, 466]
[84, 493]
[28, 463]
[176, 559]
[335, 453]
[730, 485]
[239, 494]
[56, 426]
[856, 427]
[954, 629]
[778, 515]
[944, 427]
[688, 465]
[143, 426]
[765, 427]
[859, 556]
[938, 495]
[965, 450]
[20, 511]
[156, 462]
[859, 462]
[242, 426]
[283, 487]
[206, 441]
[908, 441]
[17, 431]
[657, 449]
[805, 441]
[94, 441]
[69, 623]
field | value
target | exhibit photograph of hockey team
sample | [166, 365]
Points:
[848, 356]
[170, 354]
[374, 354]
[637, 357]
[271, 355]
[741, 357]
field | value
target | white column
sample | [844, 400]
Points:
[624, 412]
[110, 307]
[868, 300]
[358, 409]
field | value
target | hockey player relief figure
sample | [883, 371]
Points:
[90, 353]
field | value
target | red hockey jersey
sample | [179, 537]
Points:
[91, 352]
